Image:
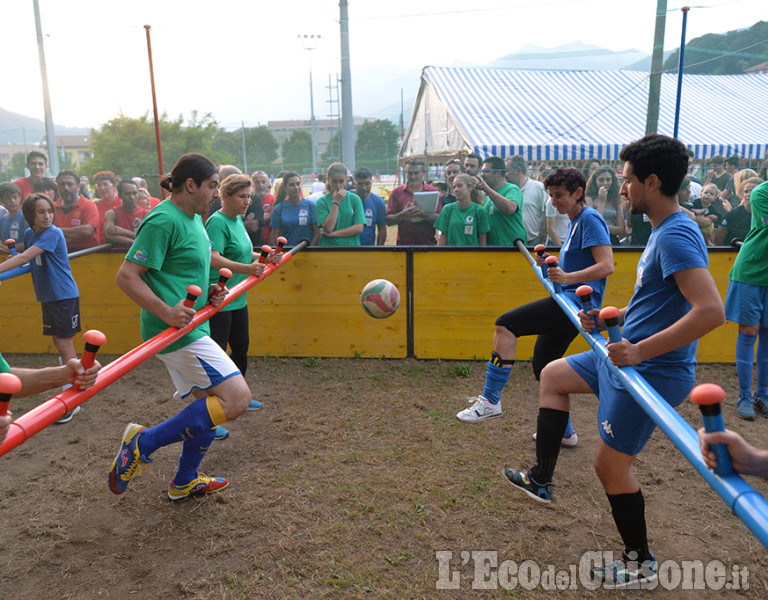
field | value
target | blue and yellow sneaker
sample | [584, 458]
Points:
[254, 405]
[128, 461]
[522, 480]
[626, 572]
[200, 485]
[221, 433]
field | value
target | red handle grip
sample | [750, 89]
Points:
[551, 261]
[9, 385]
[94, 339]
[265, 250]
[281, 241]
[224, 276]
[193, 293]
[11, 247]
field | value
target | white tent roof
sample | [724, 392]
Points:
[573, 115]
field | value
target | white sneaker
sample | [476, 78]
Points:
[567, 442]
[480, 410]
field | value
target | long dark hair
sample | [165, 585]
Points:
[190, 166]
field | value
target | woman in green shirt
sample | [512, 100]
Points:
[464, 222]
[339, 213]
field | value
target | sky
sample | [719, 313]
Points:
[245, 60]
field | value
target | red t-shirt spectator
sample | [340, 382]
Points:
[129, 221]
[26, 187]
[103, 206]
[409, 233]
[84, 212]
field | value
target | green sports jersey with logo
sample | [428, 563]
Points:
[175, 248]
[505, 229]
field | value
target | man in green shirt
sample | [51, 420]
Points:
[339, 213]
[504, 203]
[172, 251]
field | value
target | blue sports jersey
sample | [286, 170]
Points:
[13, 228]
[674, 245]
[375, 214]
[586, 230]
[51, 275]
[294, 221]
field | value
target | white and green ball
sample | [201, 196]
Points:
[380, 298]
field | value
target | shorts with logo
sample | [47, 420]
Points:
[200, 365]
[61, 318]
[623, 424]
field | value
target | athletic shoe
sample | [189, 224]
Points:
[567, 442]
[744, 406]
[254, 405]
[480, 410]
[202, 484]
[522, 480]
[221, 433]
[69, 416]
[626, 573]
[761, 403]
[128, 461]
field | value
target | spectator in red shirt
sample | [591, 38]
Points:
[106, 187]
[76, 216]
[151, 200]
[260, 212]
[414, 226]
[37, 163]
[122, 222]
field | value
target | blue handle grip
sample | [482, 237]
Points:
[712, 417]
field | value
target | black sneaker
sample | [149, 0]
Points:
[522, 480]
[626, 572]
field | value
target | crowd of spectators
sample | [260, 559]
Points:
[501, 200]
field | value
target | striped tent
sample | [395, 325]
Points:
[574, 115]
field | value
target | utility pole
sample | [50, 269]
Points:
[242, 133]
[680, 69]
[657, 62]
[309, 45]
[347, 115]
[50, 133]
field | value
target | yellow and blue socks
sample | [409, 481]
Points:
[192, 453]
[745, 356]
[496, 377]
[196, 420]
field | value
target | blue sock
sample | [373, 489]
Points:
[495, 380]
[193, 421]
[569, 430]
[745, 356]
[192, 454]
[762, 362]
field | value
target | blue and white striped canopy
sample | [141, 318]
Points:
[572, 115]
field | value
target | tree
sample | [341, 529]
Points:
[260, 147]
[127, 146]
[332, 150]
[376, 145]
[297, 150]
[16, 166]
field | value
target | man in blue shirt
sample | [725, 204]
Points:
[374, 209]
[675, 302]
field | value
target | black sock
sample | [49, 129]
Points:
[629, 515]
[550, 428]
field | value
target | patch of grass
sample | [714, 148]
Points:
[462, 370]
[312, 362]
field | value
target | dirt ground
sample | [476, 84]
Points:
[345, 485]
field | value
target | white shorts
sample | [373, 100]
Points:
[200, 365]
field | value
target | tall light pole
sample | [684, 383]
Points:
[347, 116]
[309, 42]
[680, 68]
[50, 134]
[147, 28]
[657, 62]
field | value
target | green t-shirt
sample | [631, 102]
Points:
[750, 264]
[462, 226]
[505, 229]
[4, 368]
[229, 237]
[176, 249]
[350, 213]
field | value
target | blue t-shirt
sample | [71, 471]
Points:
[586, 230]
[375, 213]
[51, 275]
[675, 245]
[294, 221]
[13, 228]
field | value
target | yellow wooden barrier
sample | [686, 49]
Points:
[311, 306]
